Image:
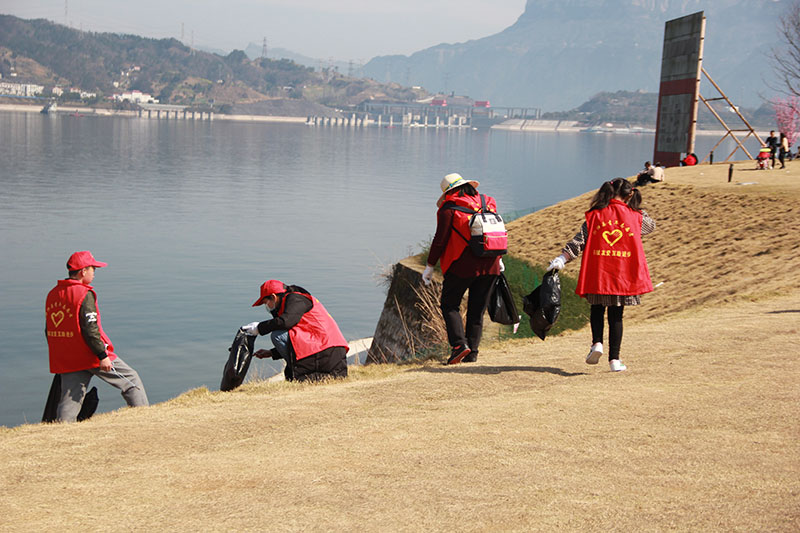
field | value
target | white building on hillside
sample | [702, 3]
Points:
[20, 89]
[84, 95]
[137, 97]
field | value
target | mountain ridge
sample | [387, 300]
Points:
[169, 70]
[559, 53]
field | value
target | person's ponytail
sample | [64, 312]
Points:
[603, 196]
[635, 201]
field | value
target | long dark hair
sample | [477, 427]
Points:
[635, 201]
[618, 187]
[465, 190]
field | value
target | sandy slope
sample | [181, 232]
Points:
[700, 434]
[715, 241]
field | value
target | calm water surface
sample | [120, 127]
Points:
[193, 216]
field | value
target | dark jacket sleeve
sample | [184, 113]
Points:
[444, 224]
[89, 329]
[296, 307]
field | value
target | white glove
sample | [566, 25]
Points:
[502, 266]
[250, 329]
[427, 275]
[557, 263]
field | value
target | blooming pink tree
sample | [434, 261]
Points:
[787, 116]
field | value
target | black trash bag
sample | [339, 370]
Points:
[502, 308]
[88, 407]
[543, 305]
[241, 353]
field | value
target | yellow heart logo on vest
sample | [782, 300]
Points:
[612, 237]
[57, 318]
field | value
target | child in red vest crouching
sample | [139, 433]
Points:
[614, 269]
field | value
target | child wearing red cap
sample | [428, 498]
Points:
[78, 346]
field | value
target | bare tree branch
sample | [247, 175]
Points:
[786, 58]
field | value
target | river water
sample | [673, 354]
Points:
[193, 216]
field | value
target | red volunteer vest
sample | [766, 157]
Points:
[316, 330]
[68, 351]
[455, 243]
[613, 260]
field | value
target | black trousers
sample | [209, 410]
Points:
[643, 179]
[614, 327]
[453, 290]
[329, 363]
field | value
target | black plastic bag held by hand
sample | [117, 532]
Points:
[240, 355]
[501, 303]
[544, 304]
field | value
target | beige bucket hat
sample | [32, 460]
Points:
[450, 182]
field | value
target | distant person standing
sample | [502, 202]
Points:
[78, 346]
[772, 143]
[614, 270]
[783, 149]
[463, 270]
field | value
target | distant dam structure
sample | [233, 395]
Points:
[434, 114]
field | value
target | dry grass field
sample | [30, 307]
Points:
[700, 434]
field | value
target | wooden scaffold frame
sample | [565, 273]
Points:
[732, 132]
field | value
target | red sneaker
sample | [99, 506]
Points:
[459, 352]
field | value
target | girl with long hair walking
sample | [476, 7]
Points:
[614, 269]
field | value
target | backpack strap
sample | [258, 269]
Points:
[462, 209]
[484, 208]
[454, 207]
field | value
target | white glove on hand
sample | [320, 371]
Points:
[250, 329]
[427, 275]
[502, 266]
[557, 263]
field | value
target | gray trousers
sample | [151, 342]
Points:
[73, 388]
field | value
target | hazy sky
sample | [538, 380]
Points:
[342, 29]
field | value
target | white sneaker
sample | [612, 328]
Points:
[595, 353]
[617, 366]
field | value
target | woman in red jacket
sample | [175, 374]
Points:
[614, 269]
[462, 269]
[304, 334]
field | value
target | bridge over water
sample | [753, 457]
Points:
[178, 112]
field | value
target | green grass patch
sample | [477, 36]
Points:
[523, 278]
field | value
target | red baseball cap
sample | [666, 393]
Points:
[84, 259]
[269, 288]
